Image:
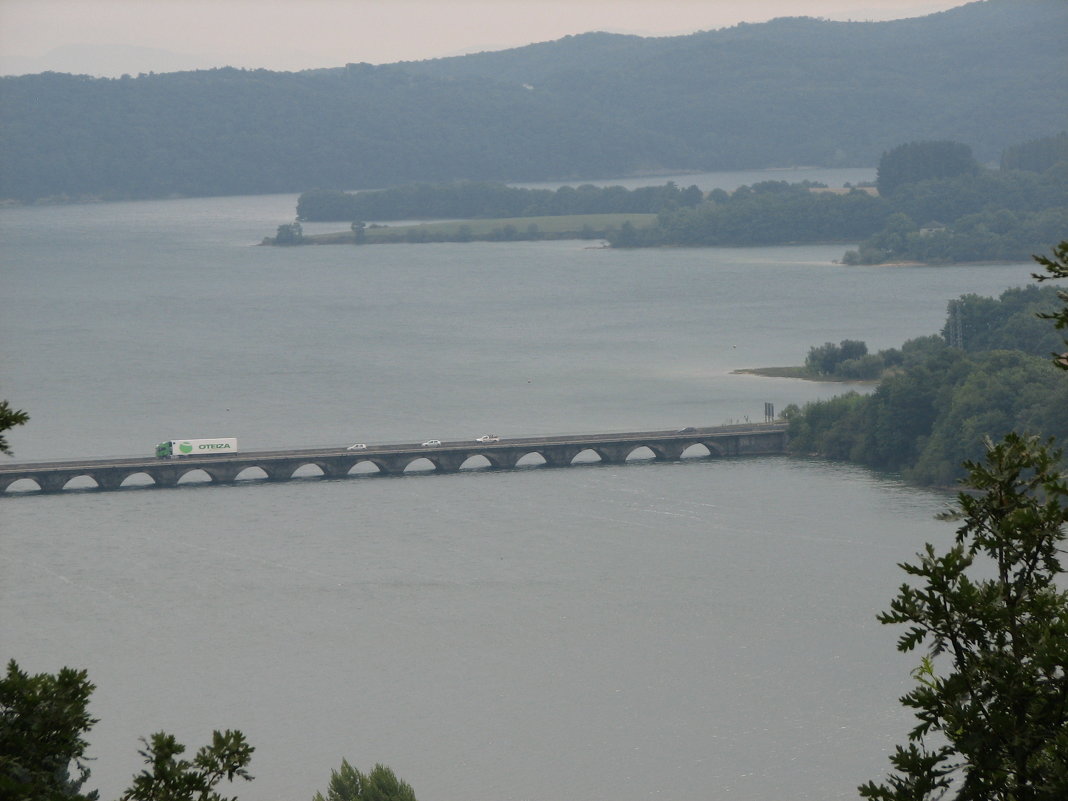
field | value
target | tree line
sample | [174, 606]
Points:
[935, 204]
[473, 199]
[943, 207]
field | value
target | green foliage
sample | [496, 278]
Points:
[761, 216]
[169, 778]
[936, 404]
[381, 784]
[826, 359]
[290, 234]
[919, 161]
[43, 723]
[1037, 155]
[977, 215]
[991, 698]
[1012, 321]
[509, 229]
[470, 200]
[981, 216]
[9, 418]
[990, 235]
[1057, 267]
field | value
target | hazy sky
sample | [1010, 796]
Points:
[109, 37]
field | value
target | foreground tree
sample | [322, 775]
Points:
[992, 688]
[1057, 267]
[169, 778]
[381, 784]
[9, 418]
[43, 723]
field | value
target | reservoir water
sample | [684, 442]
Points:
[686, 631]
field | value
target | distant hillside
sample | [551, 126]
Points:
[788, 92]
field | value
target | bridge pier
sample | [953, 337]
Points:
[52, 482]
[449, 462]
[108, 480]
[560, 455]
[614, 454]
[222, 474]
[668, 452]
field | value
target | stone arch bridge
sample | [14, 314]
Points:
[445, 457]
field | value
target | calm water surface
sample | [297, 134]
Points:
[686, 631]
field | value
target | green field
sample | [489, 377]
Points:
[574, 226]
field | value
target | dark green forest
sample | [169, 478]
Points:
[794, 91]
[935, 204]
[987, 373]
[470, 200]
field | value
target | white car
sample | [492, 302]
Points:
[488, 438]
[358, 446]
[431, 443]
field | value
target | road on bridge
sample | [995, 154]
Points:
[401, 448]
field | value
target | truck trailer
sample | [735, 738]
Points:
[177, 448]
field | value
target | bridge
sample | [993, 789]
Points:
[444, 457]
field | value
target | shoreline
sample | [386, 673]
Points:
[799, 374]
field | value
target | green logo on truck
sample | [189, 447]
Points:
[185, 447]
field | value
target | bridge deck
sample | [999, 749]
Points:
[449, 456]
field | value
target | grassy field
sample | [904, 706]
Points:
[574, 226]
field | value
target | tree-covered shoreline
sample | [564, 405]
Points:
[935, 204]
[986, 373]
[474, 200]
[968, 213]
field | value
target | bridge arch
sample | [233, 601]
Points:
[252, 472]
[479, 461]
[190, 476]
[365, 467]
[584, 456]
[644, 453]
[125, 481]
[419, 464]
[23, 485]
[531, 459]
[309, 470]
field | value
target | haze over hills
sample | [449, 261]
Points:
[793, 91]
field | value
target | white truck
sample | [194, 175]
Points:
[176, 448]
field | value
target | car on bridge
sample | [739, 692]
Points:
[357, 446]
[431, 443]
[488, 438]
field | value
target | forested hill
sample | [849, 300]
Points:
[788, 92]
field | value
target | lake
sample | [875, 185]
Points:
[702, 629]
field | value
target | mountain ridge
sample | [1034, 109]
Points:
[795, 90]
